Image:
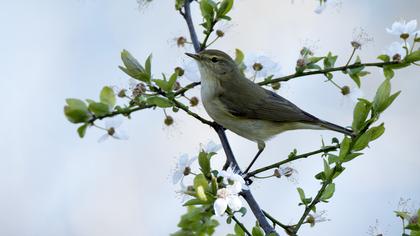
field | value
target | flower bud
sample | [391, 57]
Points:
[276, 85]
[300, 62]
[345, 90]
[179, 71]
[220, 33]
[356, 44]
[277, 173]
[168, 120]
[311, 220]
[122, 93]
[111, 131]
[194, 101]
[180, 41]
[257, 66]
[396, 57]
[187, 171]
[404, 36]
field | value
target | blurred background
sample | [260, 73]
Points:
[54, 183]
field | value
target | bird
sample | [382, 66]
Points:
[247, 109]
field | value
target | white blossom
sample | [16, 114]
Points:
[403, 29]
[327, 3]
[182, 168]
[191, 71]
[317, 217]
[234, 179]
[111, 126]
[360, 38]
[259, 65]
[211, 147]
[227, 197]
[396, 50]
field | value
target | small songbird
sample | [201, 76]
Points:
[246, 108]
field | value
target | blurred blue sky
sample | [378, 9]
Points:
[53, 183]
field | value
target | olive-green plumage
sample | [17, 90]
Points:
[246, 108]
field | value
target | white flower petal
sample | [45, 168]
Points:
[113, 122]
[411, 26]
[234, 203]
[120, 134]
[103, 138]
[177, 176]
[212, 147]
[183, 161]
[320, 8]
[220, 206]
[190, 161]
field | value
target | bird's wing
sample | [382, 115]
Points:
[264, 105]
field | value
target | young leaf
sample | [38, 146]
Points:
[224, 8]
[99, 108]
[159, 101]
[360, 114]
[381, 97]
[76, 111]
[388, 72]
[413, 57]
[344, 147]
[148, 65]
[257, 231]
[200, 186]
[384, 58]
[207, 10]
[204, 163]
[238, 230]
[82, 130]
[328, 192]
[362, 141]
[107, 96]
[376, 132]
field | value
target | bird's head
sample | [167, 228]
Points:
[214, 63]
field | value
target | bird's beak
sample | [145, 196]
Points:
[194, 56]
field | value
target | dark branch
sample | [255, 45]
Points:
[190, 24]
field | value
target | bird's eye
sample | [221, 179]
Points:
[214, 59]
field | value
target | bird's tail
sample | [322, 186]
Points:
[337, 128]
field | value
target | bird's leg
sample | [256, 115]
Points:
[261, 147]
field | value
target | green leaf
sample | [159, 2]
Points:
[390, 100]
[327, 169]
[381, 97]
[99, 108]
[204, 163]
[207, 10]
[356, 79]
[351, 156]
[413, 57]
[329, 61]
[376, 132]
[384, 58]
[362, 141]
[194, 201]
[200, 186]
[328, 192]
[243, 211]
[388, 72]
[76, 111]
[179, 4]
[360, 114]
[159, 101]
[82, 130]
[301, 194]
[239, 56]
[224, 8]
[133, 67]
[257, 231]
[171, 82]
[107, 96]
[344, 147]
[238, 230]
[148, 65]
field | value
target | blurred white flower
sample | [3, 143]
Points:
[227, 197]
[287, 171]
[182, 193]
[191, 71]
[233, 179]
[259, 65]
[375, 230]
[403, 29]
[396, 51]
[182, 168]
[211, 147]
[360, 38]
[111, 126]
[327, 3]
[317, 217]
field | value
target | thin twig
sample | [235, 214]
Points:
[287, 228]
[293, 158]
[241, 225]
